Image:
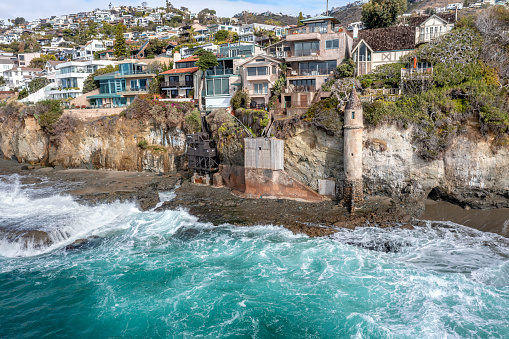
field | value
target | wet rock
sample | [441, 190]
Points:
[37, 239]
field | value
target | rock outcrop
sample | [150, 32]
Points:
[471, 172]
[115, 143]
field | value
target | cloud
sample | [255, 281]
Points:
[33, 9]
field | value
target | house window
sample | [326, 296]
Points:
[262, 88]
[218, 87]
[332, 44]
[254, 71]
[353, 115]
[364, 53]
[319, 27]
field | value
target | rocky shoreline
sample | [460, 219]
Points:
[219, 206]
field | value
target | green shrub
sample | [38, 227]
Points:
[47, 113]
[192, 122]
[240, 99]
[143, 144]
[325, 115]
[346, 68]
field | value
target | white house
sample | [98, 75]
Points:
[18, 77]
[87, 52]
[70, 77]
[430, 27]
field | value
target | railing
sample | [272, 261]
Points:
[408, 72]
[220, 71]
[301, 88]
[309, 71]
[257, 93]
[177, 84]
[430, 36]
[381, 91]
[279, 55]
[303, 52]
[257, 106]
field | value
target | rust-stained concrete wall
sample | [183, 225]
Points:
[233, 177]
[277, 184]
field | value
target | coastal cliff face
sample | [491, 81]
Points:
[108, 143]
[470, 174]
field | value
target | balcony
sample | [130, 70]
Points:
[416, 72]
[298, 35]
[254, 93]
[301, 89]
[134, 74]
[303, 52]
[176, 84]
[221, 71]
[427, 37]
[310, 72]
[134, 91]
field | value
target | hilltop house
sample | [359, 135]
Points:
[375, 47]
[259, 74]
[87, 52]
[430, 27]
[119, 88]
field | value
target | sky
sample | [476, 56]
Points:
[34, 9]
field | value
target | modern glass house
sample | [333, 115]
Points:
[119, 88]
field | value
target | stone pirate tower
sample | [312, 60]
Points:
[352, 153]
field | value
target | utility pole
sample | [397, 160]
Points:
[327, 10]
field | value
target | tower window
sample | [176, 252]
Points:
[353, 115]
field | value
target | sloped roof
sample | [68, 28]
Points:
[188, 59]
[387, 39]
[320, 17]
[180, 70]
[55, 62]
[354, 102]
[418, 20]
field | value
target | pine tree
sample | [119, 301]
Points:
[120, 46]
[299, 20]
[206, 61]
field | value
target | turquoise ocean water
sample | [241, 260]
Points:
[165, 275]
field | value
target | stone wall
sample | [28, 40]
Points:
[94, 113]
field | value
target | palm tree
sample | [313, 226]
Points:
[270, 34]
[192, 33]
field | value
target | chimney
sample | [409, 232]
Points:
[355, 31]
[176, 58]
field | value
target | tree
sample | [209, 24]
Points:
[40, 62]
[346, 68]
[120, 49]
[23, 93]
[90, 83]
[19, 21]
[382, 13]
[144, 4]
[299, 19]
[2, 81]
[221, 35]
[206, 61]
[37, 84]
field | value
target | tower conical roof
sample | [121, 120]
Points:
[354, 101]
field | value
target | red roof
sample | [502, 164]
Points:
[181, 70]
[189, 59]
